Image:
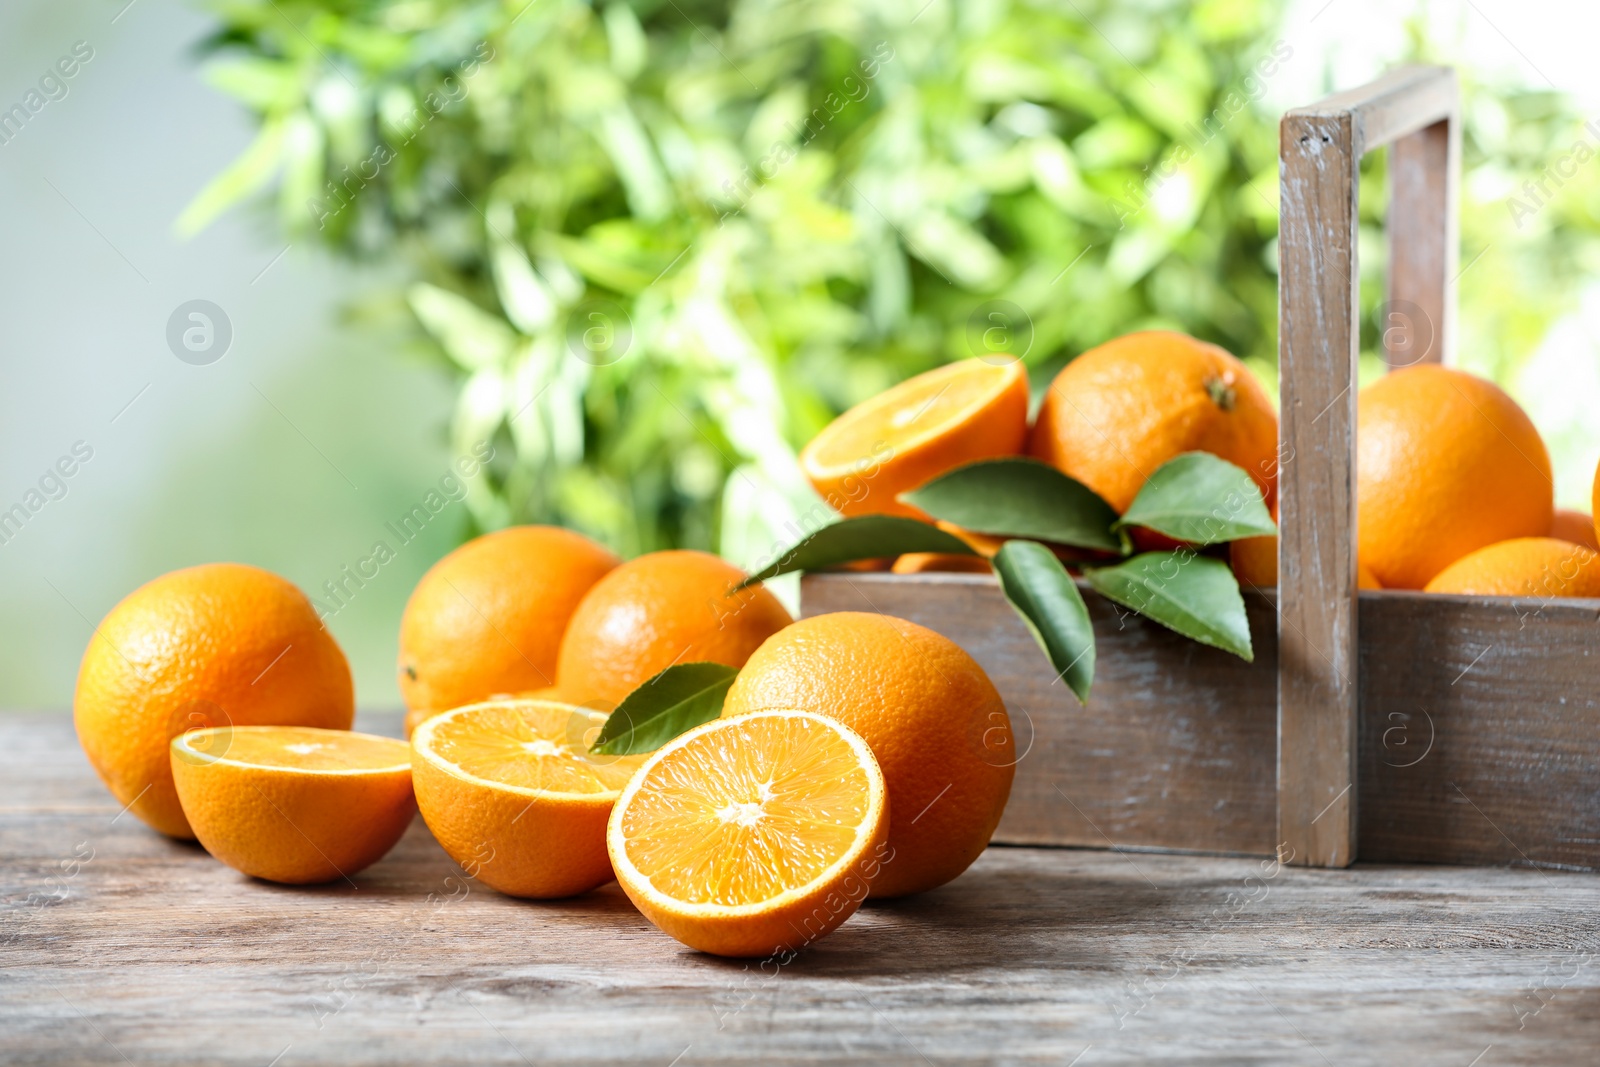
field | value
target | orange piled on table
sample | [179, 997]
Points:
[916, 431]
[512, 793]
[222, 644]
[291, 803]
[657, 610]
[934, 720]
[488, 618]
[752, 836]
[1446, 464]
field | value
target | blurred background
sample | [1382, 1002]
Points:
[270, 267]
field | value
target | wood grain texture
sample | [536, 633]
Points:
[1480, 730]
[1317, 349]
[1418, 325]
[1479, 724]
[1390, 107]
[148, 952]
[1175, 747]
[1320, 150]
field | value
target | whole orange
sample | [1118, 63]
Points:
[1524, 566]
[659, 609]
[1118, 412]
[929, 562]
[1595, 504]
[1446, 463]
[1255, 564]
[1575, 526]
[223, 644]
[935, 722]
[488, 618]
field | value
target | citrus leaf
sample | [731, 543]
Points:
[679, 698]
[1019, 497]
[1196, 596]
[1044, 594]
[1202, 499]
[865, 537]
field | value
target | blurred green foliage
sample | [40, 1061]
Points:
[662, 244]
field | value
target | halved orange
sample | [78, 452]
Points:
[293, 804]
[753, 836]
[512, 793]
[416, 716]
[915, 431]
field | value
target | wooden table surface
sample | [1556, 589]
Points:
[120, 946]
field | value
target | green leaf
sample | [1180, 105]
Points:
[679, 698]
[254, 168]
[525, 298]
[1202, 499]
[626, 142]
[471, 336]
[866, 537]
[1046, 597]
[1019, 497]
[1197, 596]
[300, 203]
[263, 84]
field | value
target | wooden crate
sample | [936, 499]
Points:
[1428, 728]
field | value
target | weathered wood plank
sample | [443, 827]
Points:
[1419, 320]
[1317, 349]
[1320, 150]
[1174, 750]
[150, 953]
[1480, 730]
[1479, 724]
[1392, 106]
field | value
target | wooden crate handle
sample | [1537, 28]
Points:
[1320, 148]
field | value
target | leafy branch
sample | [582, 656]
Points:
[1196, 498]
